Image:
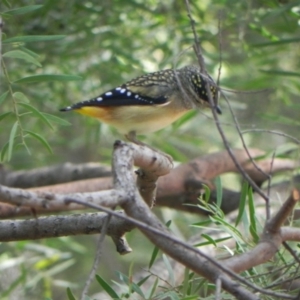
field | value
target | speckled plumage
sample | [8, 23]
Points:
[152, 101]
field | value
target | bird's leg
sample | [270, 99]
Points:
[131, 136]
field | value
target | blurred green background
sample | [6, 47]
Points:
[106, 43]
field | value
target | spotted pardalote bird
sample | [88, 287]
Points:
[152, 101]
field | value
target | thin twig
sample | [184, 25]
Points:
[292, 252]
[220, 50]
[245, 175]
[273, 225]
[273, 132]
[197, 46]
[1, 28]
[268, 207]
[97, 258]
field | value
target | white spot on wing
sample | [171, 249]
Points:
[118, 88]
[108, 94]
[128, 94]
[99, 99]
[122, 91]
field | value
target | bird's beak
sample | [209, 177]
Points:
[218, 109]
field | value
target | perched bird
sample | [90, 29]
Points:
[152, 101]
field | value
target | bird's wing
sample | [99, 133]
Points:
[150, 89]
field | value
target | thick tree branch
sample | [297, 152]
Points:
[181, 186]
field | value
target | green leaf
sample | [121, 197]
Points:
[4, 151]
[22, 55]
[2, 116]
[143, 280]
[54, 119]
[285, 149]
[33, 38]
[218, 184]
[242, 203]
[3, 96]
[22, 10]
[211, 241]
[170, 270]
[41, 139]
[36, 112]
[206, 192]
[153, 257]
[133, 286]
[29, 52]
[279, 119]
[185, 118]
[70, 294]
[156, 249]
[280, 73]
[21, 97]
[6, 3]
[276, 43]
[216, 241]
[48, 77]
[107, 287]
[186, 286]
[11, 140]
[251, 205]
[152, 290]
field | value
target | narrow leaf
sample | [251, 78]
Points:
[280, 73]
[152, 290]
[107, 287]
[2, 116]
[186, 282]
[4, 151]
[33, 38]
[48, 77]
[218, 183]
[156, 249]
[3, 96]
[70, 294]
[133, 286]
[21, 97]
[54, 119]
[279, 119]
[211, 241]
[40, 139]
[185, 118]
[276, 43]
[169, 268]
[22, 55]
[36, 112]
[143, 280]
[286, 149]
[216, 241]
[206, 192]
[30, 52]
[6, 3]
[251, 205]
[242, 203]
[22, 10]
[11, 141]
